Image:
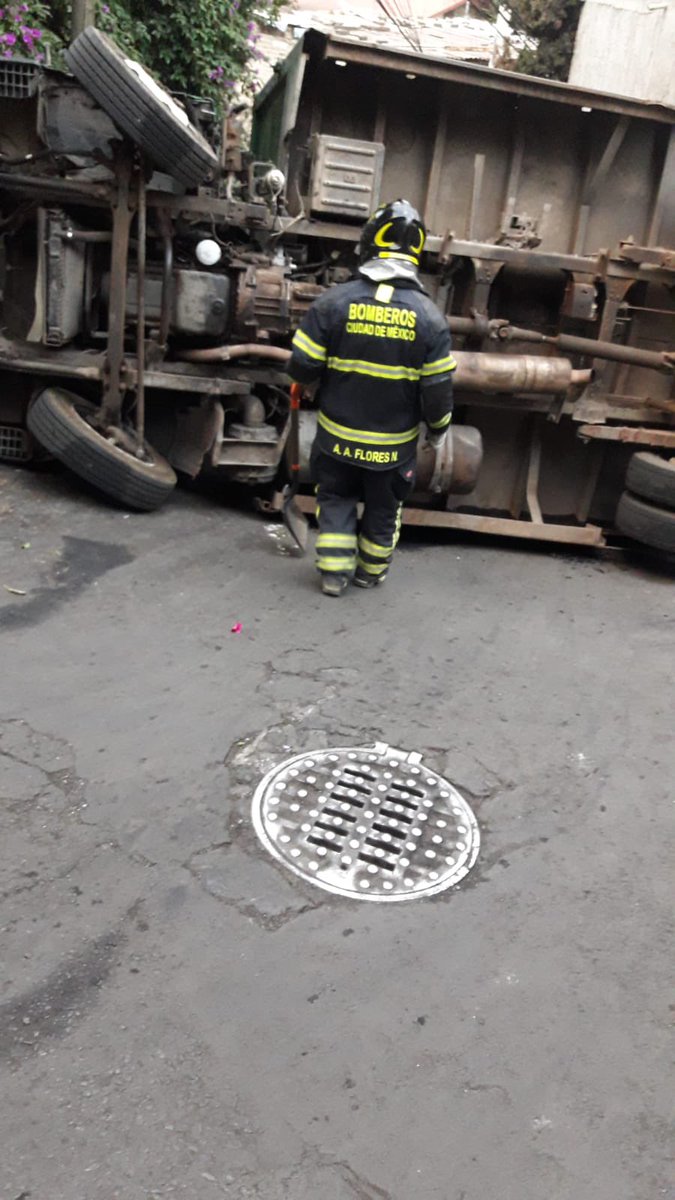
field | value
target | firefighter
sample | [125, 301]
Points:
[381, 354]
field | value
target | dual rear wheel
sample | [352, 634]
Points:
[646, 509]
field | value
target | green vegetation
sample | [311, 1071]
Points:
[24, 31]
[202, 47]
[553, 25]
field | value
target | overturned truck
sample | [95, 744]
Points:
[151, 284]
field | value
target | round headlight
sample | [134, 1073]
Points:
[208, 252]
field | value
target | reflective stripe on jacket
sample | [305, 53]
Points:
[383, 356]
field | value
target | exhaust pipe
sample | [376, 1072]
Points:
[476, 372]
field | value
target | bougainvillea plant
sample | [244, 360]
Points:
[202, 47]
[23, 31]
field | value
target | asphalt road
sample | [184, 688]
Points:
[179, 1017]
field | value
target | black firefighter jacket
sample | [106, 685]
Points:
[382, 354]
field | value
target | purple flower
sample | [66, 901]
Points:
[9, 38]
[105, 8]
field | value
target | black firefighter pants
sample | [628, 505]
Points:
[342, 545]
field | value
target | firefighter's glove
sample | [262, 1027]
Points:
[436, 440]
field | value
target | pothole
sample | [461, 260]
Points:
[368, 822]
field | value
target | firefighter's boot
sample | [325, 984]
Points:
[333, 584]
[363, 580]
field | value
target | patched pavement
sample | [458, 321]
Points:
[179, 1015]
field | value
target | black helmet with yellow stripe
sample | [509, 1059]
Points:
[395, 231]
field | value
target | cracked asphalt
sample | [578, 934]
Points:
[180, 1017]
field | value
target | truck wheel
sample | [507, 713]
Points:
[653, 478]
[141, 107]
[58, 420]
[646, 523]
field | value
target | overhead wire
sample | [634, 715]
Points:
[399, 25]
[408, 15]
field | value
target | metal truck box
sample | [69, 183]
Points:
[346, 176]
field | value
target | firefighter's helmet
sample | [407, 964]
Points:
[395, 230]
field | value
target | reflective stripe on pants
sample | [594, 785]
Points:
[341, 487]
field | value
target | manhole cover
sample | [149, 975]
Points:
[366, 821]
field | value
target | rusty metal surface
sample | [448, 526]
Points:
[169, 379]
[630, 435]
[167, 300]
[505, 82]
[515, 373]
[530, 162]
[35, 359]
[572, 535]
[533, 477]
[475, 371]
[448, 248]
[467, 458]
[597, 406]
[477, 176]
[89, 365]
[141, 259]
[657, 256]
[455, 467]
[230, 452]
[611, 351]
[206, 204]
[268, 299]
[435, 467]
[218, 354]
[346, 176]
[49, 188]
[195, 435]
[123, 213]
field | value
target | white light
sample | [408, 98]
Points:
[340, 62]
[208, 252]
[585, 108]
[409, 75]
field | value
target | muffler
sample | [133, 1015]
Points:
[451, 470]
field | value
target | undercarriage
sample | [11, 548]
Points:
[147, 317]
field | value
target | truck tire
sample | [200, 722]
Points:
[653, 478]
[57, 419]
[646, 523]
[141, 107]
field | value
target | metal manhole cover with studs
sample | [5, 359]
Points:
[367, 822]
